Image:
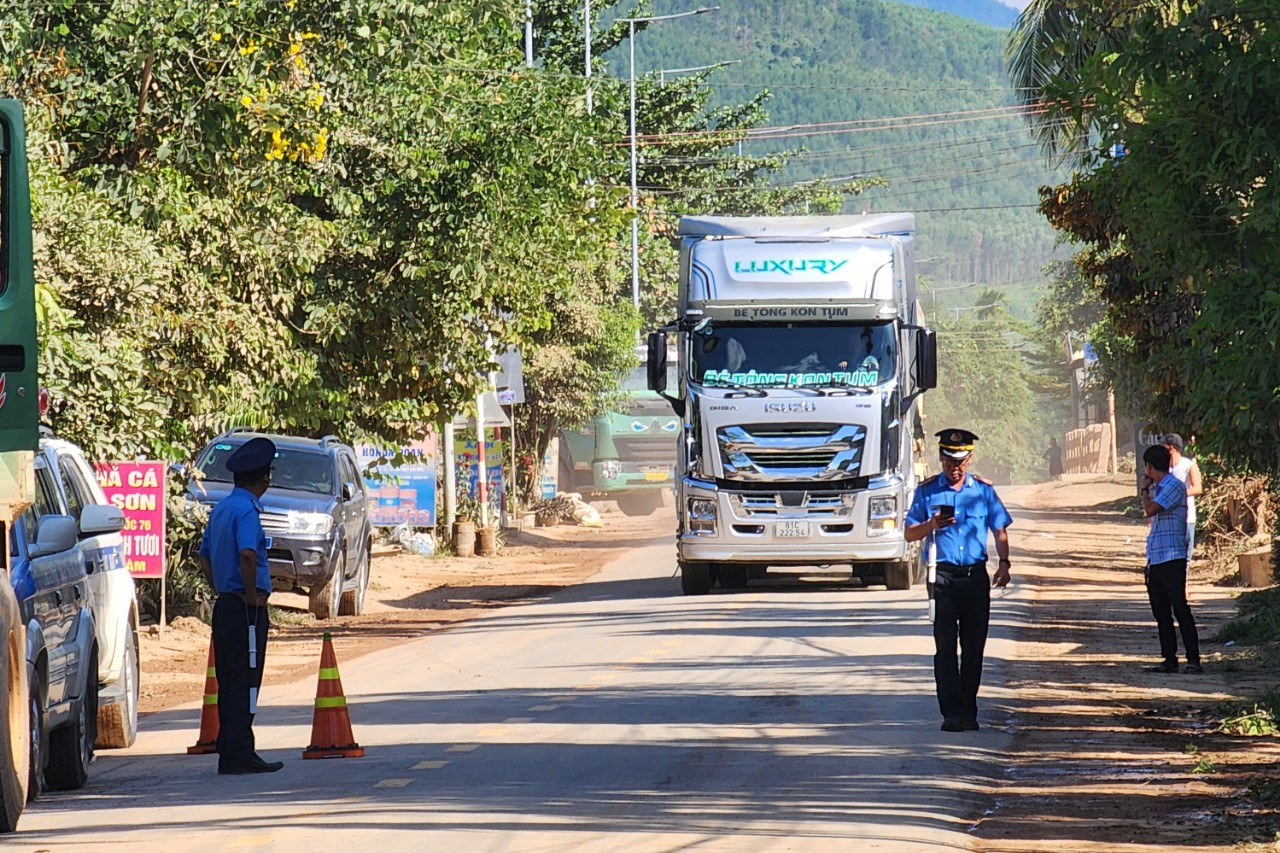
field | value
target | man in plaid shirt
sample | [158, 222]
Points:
[1164, 499]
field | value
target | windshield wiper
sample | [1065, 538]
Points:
[754, 390]
[846, 389]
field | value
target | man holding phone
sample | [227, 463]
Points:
[954, 512]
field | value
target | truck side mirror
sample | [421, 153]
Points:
[657, 366]
[926, 359]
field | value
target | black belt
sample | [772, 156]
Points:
[238, 596]
[958, 571]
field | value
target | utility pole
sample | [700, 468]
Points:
[528, 33]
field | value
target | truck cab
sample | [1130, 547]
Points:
[802, 359]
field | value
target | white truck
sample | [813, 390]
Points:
[802, 361]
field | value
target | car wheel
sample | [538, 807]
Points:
[353, 599]
[71, 747]
[35, 753]
[118, 723]
[326, 599]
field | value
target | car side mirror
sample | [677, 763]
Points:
[55, 533]
[349, 491]
[101, 518]
[657, 366]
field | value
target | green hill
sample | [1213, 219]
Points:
[869, 88]
[990, 12]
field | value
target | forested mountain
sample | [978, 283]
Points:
[990, 12]
[888, 90]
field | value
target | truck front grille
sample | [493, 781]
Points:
[763, 452]
[648, 450]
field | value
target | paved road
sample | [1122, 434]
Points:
[615, 716]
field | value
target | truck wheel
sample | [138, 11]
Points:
[897, 574]
[325, 599]
[695, 578]
[35, 746]
[71, 747]
[733, 576]
[640, 503]
[15, 750]
[118, 723]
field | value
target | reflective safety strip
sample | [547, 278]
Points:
[212, 673]
[328, 672]
[331, 701]
[211, 698]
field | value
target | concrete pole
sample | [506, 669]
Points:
[448, 452]
[528, 33]
[635, 192]
[482, 479]
[586, 39]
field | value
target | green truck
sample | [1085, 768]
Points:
[626, 455]
[19, 439]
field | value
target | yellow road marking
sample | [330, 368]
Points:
[428, 765]
[393, 783]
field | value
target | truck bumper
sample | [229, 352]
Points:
[614, 476]
[759, 534]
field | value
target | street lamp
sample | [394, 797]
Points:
[635, 193]
[662, 75]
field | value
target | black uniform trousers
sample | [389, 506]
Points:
[231, 620]
[962, 612]
[1167, 591]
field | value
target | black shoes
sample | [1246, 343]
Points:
[1194, 669]
[954, 724]
[1167, 668]
[258, 766]
[970, 724]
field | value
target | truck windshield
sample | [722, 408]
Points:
[794, 354]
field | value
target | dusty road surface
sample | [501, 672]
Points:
[617, 715]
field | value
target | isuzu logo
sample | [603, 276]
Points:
[791, 408]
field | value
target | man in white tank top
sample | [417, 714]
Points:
[1186, 470]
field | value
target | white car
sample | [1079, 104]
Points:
[114, 598]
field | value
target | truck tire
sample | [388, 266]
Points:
[898, 574]
[118, 723]
[732, 576]
[640, 503]
[15, 749]
[71, 747]
[324, 600]
[695, 578]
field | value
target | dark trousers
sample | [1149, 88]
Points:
[1167, 590]
[962, 612]
[231, 620]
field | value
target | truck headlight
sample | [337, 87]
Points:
[702, 516]
[882, 515]
[310, 523]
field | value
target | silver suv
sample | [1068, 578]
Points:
[316, 516]
[62, 651]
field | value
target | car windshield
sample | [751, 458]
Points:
[300, 470]
[794, 354]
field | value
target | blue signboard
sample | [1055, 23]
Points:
[403, 493]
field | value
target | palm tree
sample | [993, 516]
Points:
[1047, 54]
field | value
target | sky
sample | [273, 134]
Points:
[1017, 4]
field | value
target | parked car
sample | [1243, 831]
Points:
[315, 514]
[115, 601]
[55, 599]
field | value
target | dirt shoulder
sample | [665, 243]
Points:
[1109, 757]
[408, 596]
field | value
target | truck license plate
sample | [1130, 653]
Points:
[656, 476]
[791, 529]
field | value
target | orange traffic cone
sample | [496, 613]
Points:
[331, 735]
[207, 740]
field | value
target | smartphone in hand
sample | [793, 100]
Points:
[947, 511]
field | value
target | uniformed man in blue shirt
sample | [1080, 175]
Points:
[954, 512]
[233, 557]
